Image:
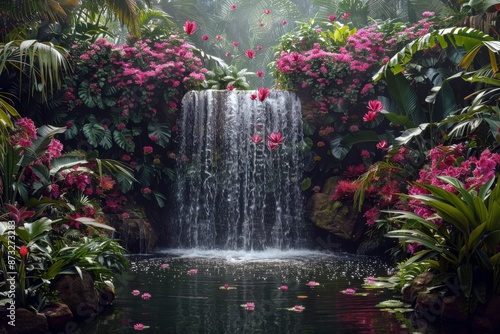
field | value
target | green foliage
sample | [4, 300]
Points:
[464, 245]
[227, 76]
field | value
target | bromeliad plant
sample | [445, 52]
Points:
[462, 245]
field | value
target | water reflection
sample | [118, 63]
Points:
[183, 303]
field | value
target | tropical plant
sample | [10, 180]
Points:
[227, 77]
[463, 244]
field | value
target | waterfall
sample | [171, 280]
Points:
[233, 193]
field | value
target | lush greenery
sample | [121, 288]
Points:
[418, 159]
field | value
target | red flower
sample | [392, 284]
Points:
[256, 138]
[230, 87]
[233, 7]
[283, 22]
[263, 93]
[250, 53]
[272, 145]
[259, 47]
[147, 150]
[23, 250]
[218, 37]
[346, 15]
[235, 43]
[190, 27]
[228, 54]
[267, 11]
[375, 105]
[370, 116]
[276, 138]
[260, 73]
[204, 37]
[332, 17]
[382, 145]
[253, 96]
[261, 24]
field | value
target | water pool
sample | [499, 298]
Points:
[197, 303]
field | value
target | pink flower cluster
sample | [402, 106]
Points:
[449, 161]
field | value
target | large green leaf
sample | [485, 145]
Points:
[444, 102]
[94, 132]
[405, 97]
[342, 145]
[124, 139]
[161, 131]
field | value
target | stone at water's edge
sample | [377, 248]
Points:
[336, 217]
[58, 315]
[28, 322]
[79, 294]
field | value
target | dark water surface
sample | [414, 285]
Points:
[184, 303]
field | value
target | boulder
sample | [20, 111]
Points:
[58, 315]
[334, 216]
[79, 294]
[419, 284]
[28, 322]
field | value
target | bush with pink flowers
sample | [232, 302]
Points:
[122, 100]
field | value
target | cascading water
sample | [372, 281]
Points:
[234, 193]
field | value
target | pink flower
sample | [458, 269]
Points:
[370, 279]
[283, 22]
[233, 7]
[256, 138]
[298, 308]
[272, 145]
[235, 43]
[126, 157]
[225, 286]
[375, 105]
[190, 27]
[382, 145]
[263, 93]
[316, 189]
[147, 150]
[259, 47]
[370, 116]
[253, 96]
[312, 283]
[261, 24]
[138, 327]
[250, 306]
[365, 154]
[230, 87]
[428, 14]
[346, 15]
[146, 296]
[349, 291]
[136, 292]
[267, 11]
[276, 137]
[250, 54]
[332, 17]
[153, 138]
[192, 271]
[260, 73]
[165, 266]
[228, 54]
[125, 215]
[146, 191]
[204, 37]
[218, 37]
[283, 288]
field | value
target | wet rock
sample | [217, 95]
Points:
[58, 315]
[28, 322]
[135, 232]
[79, 294]
[334, 216]
[419, 284]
